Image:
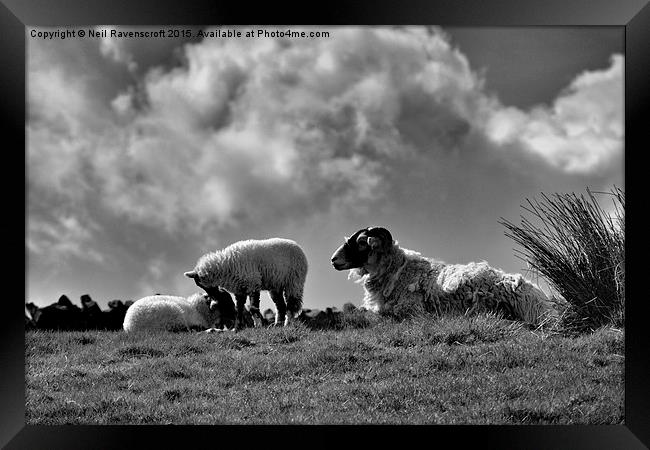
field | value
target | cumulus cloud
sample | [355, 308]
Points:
[250, 128]
[63, 236]
[261, 131]
[581, 132]
[115, 48]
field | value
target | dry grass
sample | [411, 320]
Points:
[579, 248]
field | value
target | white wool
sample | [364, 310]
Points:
[408, 283]
[167, 312]
[256, 265]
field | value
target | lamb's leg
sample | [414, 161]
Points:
[239, 320]
[294, 305]
[255, 308]
[212, 330]
[280, 307]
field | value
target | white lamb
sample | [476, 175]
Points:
[401, 282]
[172, 313]
[247, 267]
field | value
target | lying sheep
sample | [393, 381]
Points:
[401, 282]
[247, 267]
[172, 313]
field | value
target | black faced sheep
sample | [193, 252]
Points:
[401, 282]
[247, 267]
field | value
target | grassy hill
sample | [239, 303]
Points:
[462, 370]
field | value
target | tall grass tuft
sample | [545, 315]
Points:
[580, 249]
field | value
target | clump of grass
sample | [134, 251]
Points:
[234, 341]
[287, 335]
[452, 330]
[580, 249]
[356, 318]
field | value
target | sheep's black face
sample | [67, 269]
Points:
[357, 248]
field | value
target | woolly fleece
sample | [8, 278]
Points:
[408, 283]
[172, 313]
[256, 265]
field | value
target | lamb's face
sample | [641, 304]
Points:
[361, 248]
[222, 308]
[197, 279]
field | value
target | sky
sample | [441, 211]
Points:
[144, 154]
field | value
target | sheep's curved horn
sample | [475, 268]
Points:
[191, 274]
[382, 234]
[374, 242]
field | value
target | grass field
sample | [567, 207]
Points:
[462, 370]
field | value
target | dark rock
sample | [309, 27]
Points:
[85, 299]
[32, 309]
[116, 304]
[93, 315]
[65, 301]
[29, 323]
[310, 313]
[317, 319]
[114, 317]
[62, 315]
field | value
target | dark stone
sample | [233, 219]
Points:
[85, 299]
[32, 309]
[116, 304]
[29, 323]
[65, 301]
[310, 313]
[62, 315]
[316, 319]
[114, 317]
[93, 315]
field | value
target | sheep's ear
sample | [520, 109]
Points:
[214, 305]
[362, 239]
[192, 274]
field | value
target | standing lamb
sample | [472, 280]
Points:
[401, 282]
[247, 267]
[172, 313]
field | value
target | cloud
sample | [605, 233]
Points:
[259, 132]
[115, 49]
[581, 132]
[62, 237]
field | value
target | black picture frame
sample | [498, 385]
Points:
[15, 15]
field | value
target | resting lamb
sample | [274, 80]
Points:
[172, 313]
